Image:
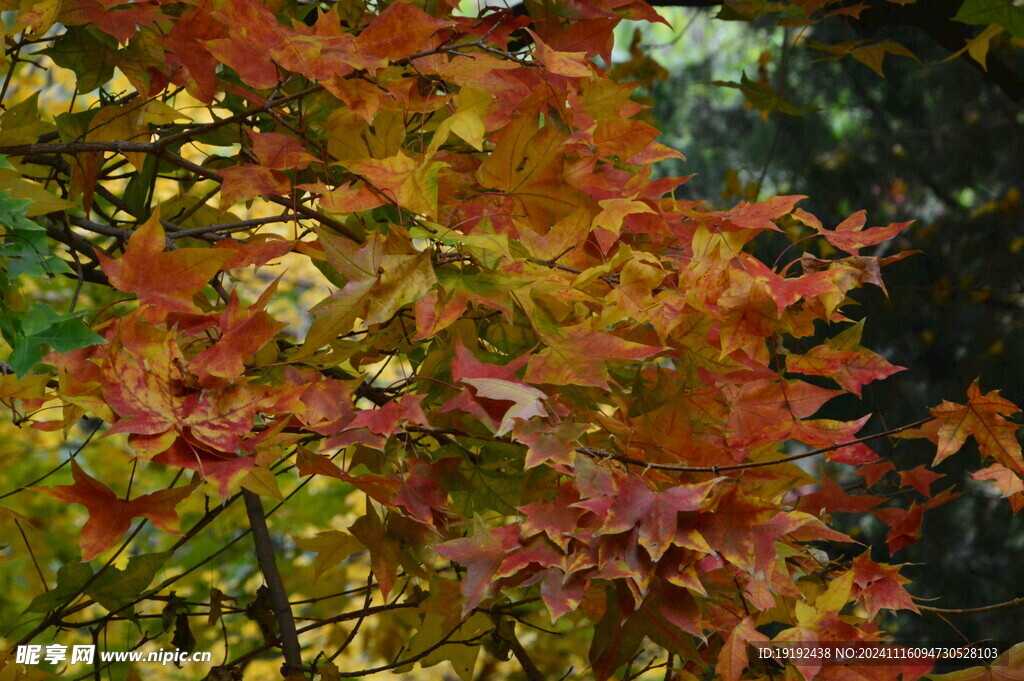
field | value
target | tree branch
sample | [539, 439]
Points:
[529, 668]
[278, 595]
[605, 454]
[158, 149]
[972, 611]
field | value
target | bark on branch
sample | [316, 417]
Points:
[289, 637]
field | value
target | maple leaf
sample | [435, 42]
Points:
[350, 198]
[245, 182]
[279, 152]
[327, 404]
[881, 586]
[732, 529]
[531, 555]
[1006, 481]
[410, 184]
[844, 360]
[850, 235]
[379, 488]
[622, 138]
[398, 31]
[872, 56]
[766, 409]
[493, 385]
[185, 41]
[828, 433]
[168, 279]
[763, 214]
[243, 332]
[983, 418]
[385, 420]
[656, 513]
[467, 121]
[221, 420]
[873, 472]
[733, 659]
[370, 532]
[424, 493]
[573, 64]
[905, 524]
[145, 381]
[578, 358]
[249, 23]
[920, 478]
[440, 308]
[257, 251]
[330, 546]
[561, 593]
[610, 219]
[527, 401]
[834, 499]
[110, 516]
[545, 442]
[665, 616]
[616, 636]
[480, 554]
[527, 165]
[143, 398]
[382, 276]
[222, 468]
[557, 519]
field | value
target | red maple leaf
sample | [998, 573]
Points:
[881, 586]
[221, 467]
[656, 513]
[832, 498]
[480, 554]
[850, 235]
[243, 332]
[919, 478]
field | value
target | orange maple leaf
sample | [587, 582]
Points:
[279, 152]
[733, 658]
[243, 332]
[983, 417]
[399, 31]
[247, 181]
[110, 516]
[145, 382]
[168, 280]
[578, 357]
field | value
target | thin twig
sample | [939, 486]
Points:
[355, 630]
[240, 226]
[605, 454]
[971, 611]
[32, 555]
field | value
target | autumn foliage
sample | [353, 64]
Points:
[547, 391]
